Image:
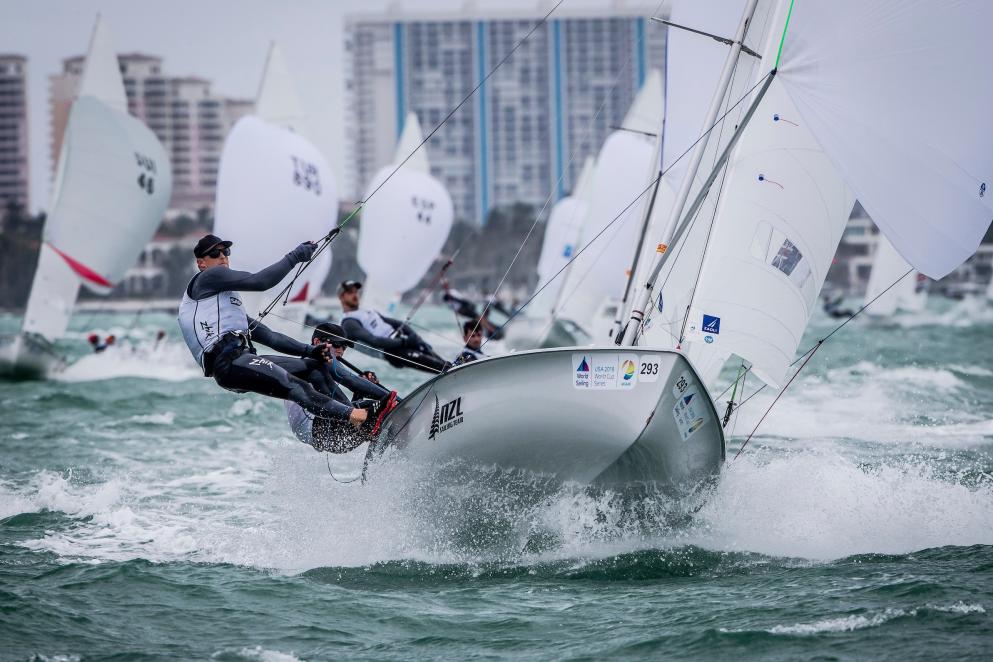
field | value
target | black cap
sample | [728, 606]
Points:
[332, 333]
[347, 285]
[207, 242]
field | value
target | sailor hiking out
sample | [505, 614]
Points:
[222, 337]
[334, 435]
[473, 340]
[384, 337]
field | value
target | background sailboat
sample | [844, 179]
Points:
[112, 184]
[888, 266]
[404, 225]
[275, 189]
[563, 229]
[596, 279]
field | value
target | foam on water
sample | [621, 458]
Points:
[168, 362]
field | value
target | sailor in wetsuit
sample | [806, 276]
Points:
[473, 340]
[220, 335]
[384, 337]
[329, 434]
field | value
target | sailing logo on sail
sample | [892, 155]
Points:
[446, 416]
[306, 175]
[711, 324]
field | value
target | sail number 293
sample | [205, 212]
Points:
[649, 367]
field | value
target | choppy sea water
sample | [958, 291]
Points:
[146, 514]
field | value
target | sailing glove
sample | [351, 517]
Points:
[318, 352]
[303, 252]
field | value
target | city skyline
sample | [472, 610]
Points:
[226, 43]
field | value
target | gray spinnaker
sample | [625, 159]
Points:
[599, 416]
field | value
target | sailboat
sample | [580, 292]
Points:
[831, 114]
[538, 327]
[595, 280]
[112, 184]
[909, 294]
[273, 187]
[404, 225]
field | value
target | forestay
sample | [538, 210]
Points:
[404, 225]
[274, 190]
[899, 95]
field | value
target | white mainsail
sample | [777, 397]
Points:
[275, 189]
[899, 95]
[888, 267]
[113, 182]
[404, 225]
[598, 275]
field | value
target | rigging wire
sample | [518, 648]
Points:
[551, 194]
[330, 236]
[805, 358]
[639, 196]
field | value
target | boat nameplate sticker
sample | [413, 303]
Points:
[649, 368]
[605, 371]
[686, 412]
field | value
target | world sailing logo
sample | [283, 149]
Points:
[582, 374]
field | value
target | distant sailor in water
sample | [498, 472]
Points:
[220, 335]
[329, 434]
[473, 340]
[382, 336]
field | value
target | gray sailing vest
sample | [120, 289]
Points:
[204, 321]
[371, 321]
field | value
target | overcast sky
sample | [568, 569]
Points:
[224, 41]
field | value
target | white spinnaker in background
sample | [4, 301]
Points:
[599, 273]
[887, 267]
[275, 190]
[562, 233]
[782, 211]
[899, 95]
[404, 225]
[112, 185]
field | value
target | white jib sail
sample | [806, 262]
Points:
[113, 182]
[887, 267]
[562, 232]
[404, 224]
[782, 211]
[274, 190]
[899, 96]
[599, 274]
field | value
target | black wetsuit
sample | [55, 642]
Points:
[233, 362]
[407, 349]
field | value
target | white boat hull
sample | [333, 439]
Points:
[601, 416]
[27, 356]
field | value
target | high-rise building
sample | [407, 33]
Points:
[13, 130]
[190, 121]
[525, 133]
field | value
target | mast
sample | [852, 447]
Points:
[637, 311]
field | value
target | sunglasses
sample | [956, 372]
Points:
[217, 252]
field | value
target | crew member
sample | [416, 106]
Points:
[329, 434]
[473, 340]
[384, 337]
[221, 336]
